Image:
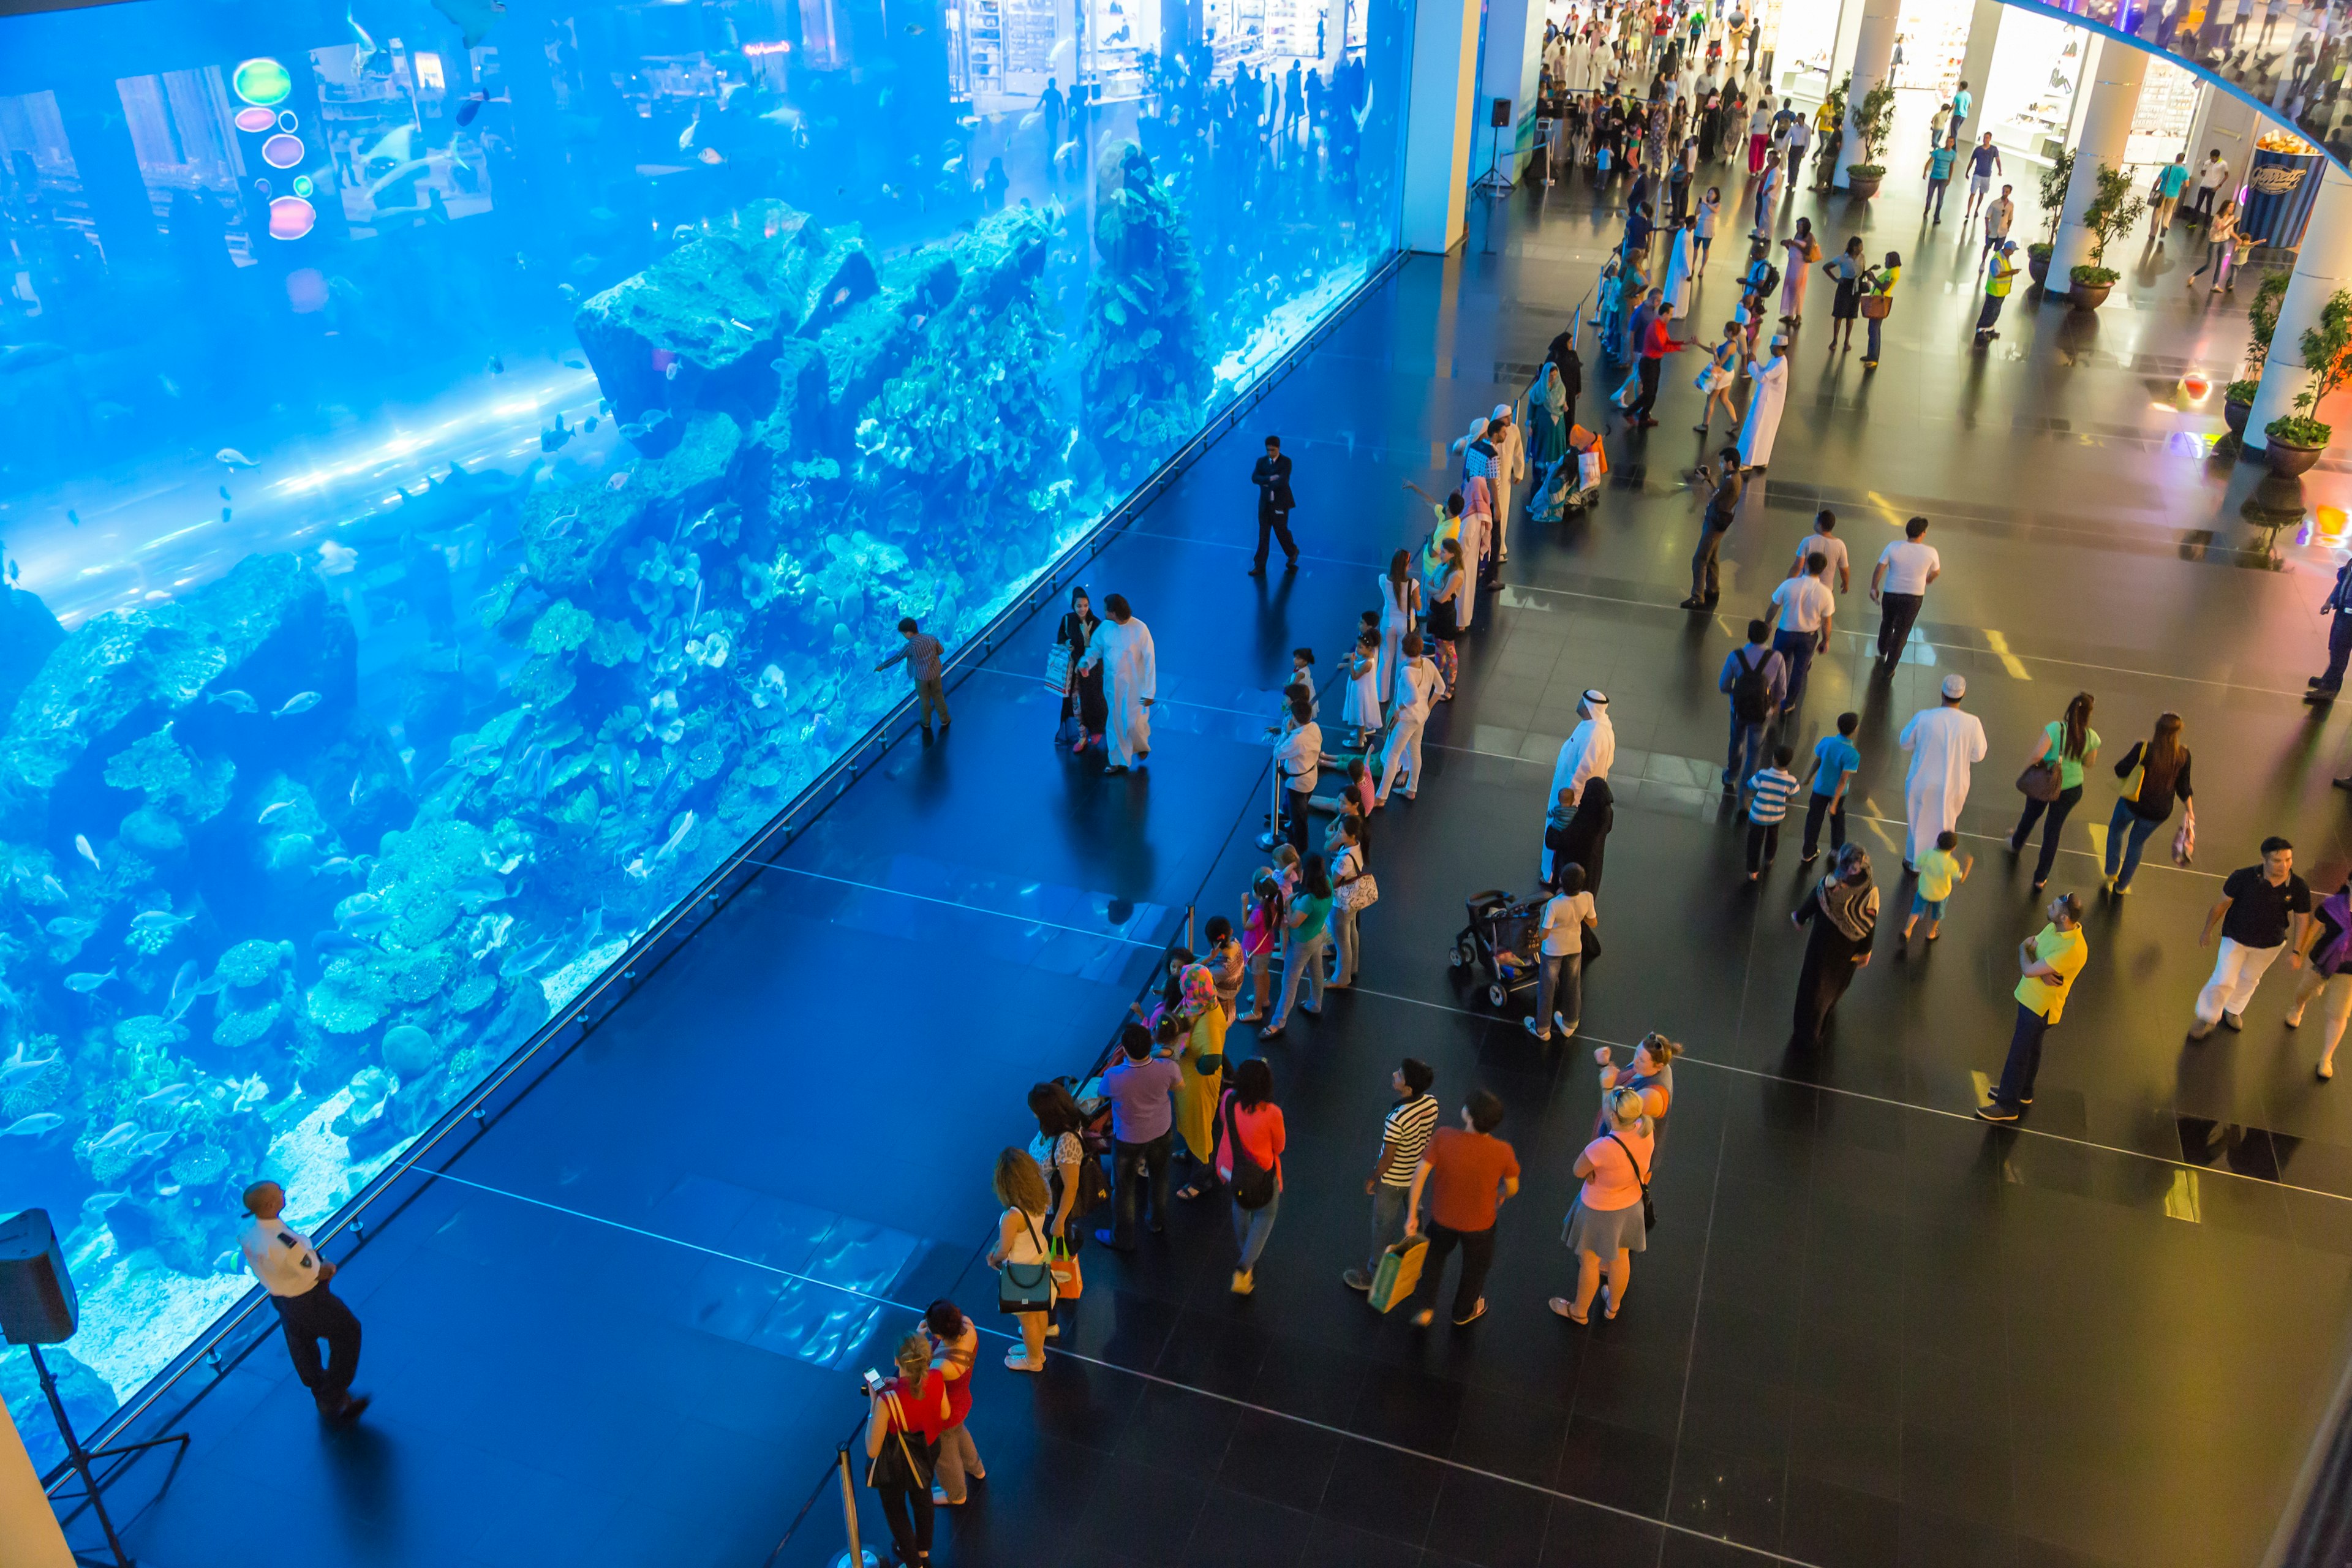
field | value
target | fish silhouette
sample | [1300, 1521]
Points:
[235, 458]
[165, 1098]
[235, 702]
[82, 849]
[33, 1126]
[301, 702]
[87, 983]
[152, 1144]
[472, 106]
[121, 1133]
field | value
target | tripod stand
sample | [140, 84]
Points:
[1494, 182]
[80, 1457]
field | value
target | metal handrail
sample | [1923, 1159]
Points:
[781, 831]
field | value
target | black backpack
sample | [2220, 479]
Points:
[1751, 694]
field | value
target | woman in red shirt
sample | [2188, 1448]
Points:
[1250, 1114]
[901, 1477]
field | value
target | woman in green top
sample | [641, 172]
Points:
[1305, 944]
[2070, 744]
[1879, 281]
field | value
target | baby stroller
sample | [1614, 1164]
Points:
[1500, 940]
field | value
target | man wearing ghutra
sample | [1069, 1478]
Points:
[1585, 756]
[1943, 742]
[1123, 647]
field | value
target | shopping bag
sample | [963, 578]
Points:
[1069, 1279]
[1399, 1273]
[1057, 667]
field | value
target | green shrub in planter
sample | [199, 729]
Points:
[1866, 170]
[2095, 277]
[2297, 430]
[2039, 251]
[2239, 391]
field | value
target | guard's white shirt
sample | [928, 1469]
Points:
[1300, 755]
[281, 1256]
[1805, 603]
[1830, 546]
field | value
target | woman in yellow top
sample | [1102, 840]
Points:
[1879, 282]
[1199, 1023]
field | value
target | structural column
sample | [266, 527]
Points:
[2227, 124]
[1976, 62]
[2323, 266]
[2115, 78]
[1873, 58]
[1438, 125]
[1514, 62]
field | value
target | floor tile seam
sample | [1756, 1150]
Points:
[951, 904]
[1851, 815]
[2018, 1129]
[1012, 1338]
[1676, 608]
[1698, 1302]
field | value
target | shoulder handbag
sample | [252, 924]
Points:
[2039, 780]
[1649, 1210]
[1589, 945]
[1876, 307]
[1026, 1287]
[896, 1466]
[1253, 1184]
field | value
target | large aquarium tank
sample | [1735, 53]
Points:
[459, 462]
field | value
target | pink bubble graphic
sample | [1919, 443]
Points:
[290, 217]
[255, 120]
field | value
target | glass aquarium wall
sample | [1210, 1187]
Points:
[461, 465]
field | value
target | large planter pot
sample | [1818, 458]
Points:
[1862, 187]
[2233, 414]
[2088, 296]
[2037, 267]
[2287, 460]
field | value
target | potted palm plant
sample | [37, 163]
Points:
[2297, 439]
[2113, 211]
[1874, 121]
[2053, 198]
[2261, 315]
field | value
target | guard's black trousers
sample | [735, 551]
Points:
[319, 1314]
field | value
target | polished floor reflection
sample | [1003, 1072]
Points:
[625, 1325]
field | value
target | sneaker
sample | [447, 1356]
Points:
[1562, 1024]
[1529, 1026]
[1014, 1361]
[2200, 1031]
[1357, 1279]
[2236, 1021]
[940, 1500]
[1243, 1282]
[1996, 1111]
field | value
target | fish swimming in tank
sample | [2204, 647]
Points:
[301, 702]
[159, 923]
[114, 1137]
[71, 928]
[33, 1126]
[165, 1098]
[82, 849]
[87, 983]
[235, 458]
[472, 106]
[235, 702]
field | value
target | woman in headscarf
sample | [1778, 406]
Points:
[1082, 692]
[1842, 910]
[1201, 1065]
[1546, 434]
[1584, 840]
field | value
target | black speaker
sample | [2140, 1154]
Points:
[36, 1294]
[1499, 116]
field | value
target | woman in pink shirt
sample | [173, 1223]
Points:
[1262, 916]
[1606, 1223]
[1250, 1116]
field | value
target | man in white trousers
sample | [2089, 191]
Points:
[1417, 685]
[1122, 645]
[1943, 742]
[2262, 914]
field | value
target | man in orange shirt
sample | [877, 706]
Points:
[1467, 1173]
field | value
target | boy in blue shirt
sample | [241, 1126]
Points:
[1836, 762]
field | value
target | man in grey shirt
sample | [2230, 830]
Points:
[1721, 507]
[922, 653]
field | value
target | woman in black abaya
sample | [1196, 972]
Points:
[1842, 910]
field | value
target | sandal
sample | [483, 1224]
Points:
[1560, 1304]
[1192, 1190]
[1015, 1361]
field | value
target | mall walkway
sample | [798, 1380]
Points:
[626, 1326]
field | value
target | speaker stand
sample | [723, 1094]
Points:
[1494, 182]
[79, 1458]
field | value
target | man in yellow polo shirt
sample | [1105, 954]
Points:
[2048, 965]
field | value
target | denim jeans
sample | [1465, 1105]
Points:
[2058, 810]
[1251, 1227]
[1132, 1167]
[1746, 752]
[1817, 808]
[1559, 988]
[2017, 1074]
[1388, 1223]
[2127, 832]
[1302, 963]
[1343, 935]
[1796, 649]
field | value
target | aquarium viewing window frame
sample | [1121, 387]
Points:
[619, 981]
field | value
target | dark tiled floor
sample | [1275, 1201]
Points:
[626, 1325]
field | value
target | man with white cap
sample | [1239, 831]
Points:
[1584, 756]
[1769, 381]
[1943, 742]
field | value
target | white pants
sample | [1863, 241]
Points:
[2236, 972]
[1391, 649]
[1404, 755]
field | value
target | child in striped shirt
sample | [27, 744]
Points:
[1769, 790]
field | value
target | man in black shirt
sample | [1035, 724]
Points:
[2260, 908]
[1721, 507]
[1272, 478]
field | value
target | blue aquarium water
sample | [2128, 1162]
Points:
[459, 465]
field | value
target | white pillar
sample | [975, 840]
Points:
[1976, 63]
[1873, 57]
[1438, 125]
[1849, 27]
[1514, 62]
[2322, 266]
[2228, 124]
[2114, 79]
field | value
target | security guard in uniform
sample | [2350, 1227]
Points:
[296, 1276]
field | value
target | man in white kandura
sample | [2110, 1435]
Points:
[1583, 756]
[1768, 383]
[1122, 645]
[1943, 742]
